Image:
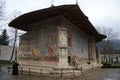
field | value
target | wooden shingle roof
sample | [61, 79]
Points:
[71, 12]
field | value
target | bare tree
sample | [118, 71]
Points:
[14, 32]
[13, 50]
[109, 32]
[2, 6]
[111, 35]
[11, 30]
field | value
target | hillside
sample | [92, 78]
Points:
[115, 44]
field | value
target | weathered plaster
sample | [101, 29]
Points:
[41, 41]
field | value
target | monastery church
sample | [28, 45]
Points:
[57, 37]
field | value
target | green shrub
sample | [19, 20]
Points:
[109, 65]
[5, 63]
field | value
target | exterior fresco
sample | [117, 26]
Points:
[77, 41]
[40, 43]
[63, 47]
[63, 38]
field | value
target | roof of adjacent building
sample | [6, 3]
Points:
[71, 12]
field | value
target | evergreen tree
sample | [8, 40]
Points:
[4, 39]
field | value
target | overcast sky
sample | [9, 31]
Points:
[99, 12]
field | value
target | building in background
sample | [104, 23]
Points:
[6, 52]
[60, 36]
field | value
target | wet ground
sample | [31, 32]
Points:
[94, 74]
[103, 74]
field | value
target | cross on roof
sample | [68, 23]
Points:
[76, 2]
[52, 3]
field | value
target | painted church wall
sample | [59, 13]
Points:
[77, 40]
[40, 42]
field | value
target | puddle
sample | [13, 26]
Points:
[113, 76]
[109, 79]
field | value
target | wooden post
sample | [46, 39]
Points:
[21, 70]
[0, 59]
[81, 70]
[0, 68]
[8, 69]
[112, 60]
[109, 59]
[14, 45]
[117, 60]
[61, 72]
[73, 72]
[29, 71]
[41, 71]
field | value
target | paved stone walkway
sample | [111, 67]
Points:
[95, 74]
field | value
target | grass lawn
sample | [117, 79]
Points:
[5, 63]
[109, 65]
